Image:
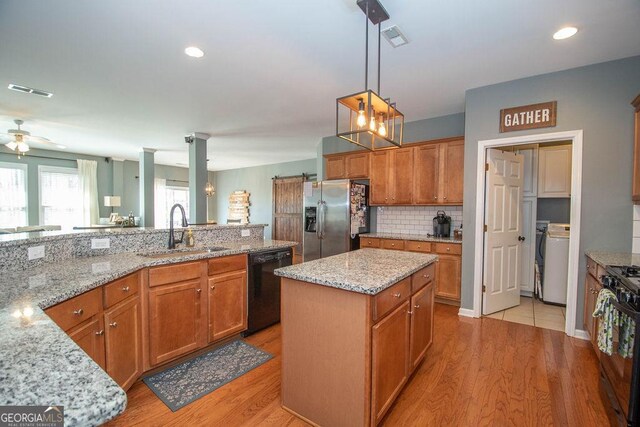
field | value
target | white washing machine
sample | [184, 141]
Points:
[556, 264]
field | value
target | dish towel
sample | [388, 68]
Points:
[609, 318]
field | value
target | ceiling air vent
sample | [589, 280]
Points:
[394, 36]
[33, 91]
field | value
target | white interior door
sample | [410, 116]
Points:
[503, 217]
[528, 250]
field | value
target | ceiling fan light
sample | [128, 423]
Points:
[11, 145]
[23, 148]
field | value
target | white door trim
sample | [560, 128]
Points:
[574, 241]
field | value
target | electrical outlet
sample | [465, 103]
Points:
[36, 252]
[100, 243]
[246, 233]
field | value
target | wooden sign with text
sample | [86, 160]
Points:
[532, 116]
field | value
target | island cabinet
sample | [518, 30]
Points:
[106, 323]
[194, 304]
[347, 355]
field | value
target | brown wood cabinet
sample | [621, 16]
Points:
[389, 359]
[90, 338]
[354, 165]
[448, 266]
[421, 323]
[592, 287]
[451, 175]
[635, 195]
[227, 304]
[123, 342]
[426, 180]
[106, 324]
[362, 350]
[175, 320]
[392, 177]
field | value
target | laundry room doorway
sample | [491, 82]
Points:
[528, 204]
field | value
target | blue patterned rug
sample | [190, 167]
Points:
[182, 384]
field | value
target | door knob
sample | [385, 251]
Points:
[521, 238]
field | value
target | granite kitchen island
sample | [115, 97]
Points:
[355, 327]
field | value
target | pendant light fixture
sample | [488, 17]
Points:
[365, 118]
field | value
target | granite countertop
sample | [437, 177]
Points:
[39, 363]
[367, 271]
[614, 258]
[418, 237]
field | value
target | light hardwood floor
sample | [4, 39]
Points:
[478, 372]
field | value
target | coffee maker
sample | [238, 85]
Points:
[441, 224]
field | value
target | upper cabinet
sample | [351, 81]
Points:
[635, 196]
[351, 165]
[391, 177]
[554, 171]
[426, 173]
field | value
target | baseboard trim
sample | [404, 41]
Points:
[466, 312]
[582, 334]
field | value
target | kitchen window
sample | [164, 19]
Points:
[13, 203]
[60, 196]
[165, 197]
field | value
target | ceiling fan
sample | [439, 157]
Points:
[17, 139]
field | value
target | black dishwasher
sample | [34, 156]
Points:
[264, 288]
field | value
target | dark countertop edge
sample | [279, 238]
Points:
[346, 287]
[417, 237]
[146, 262]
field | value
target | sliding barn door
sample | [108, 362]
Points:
[287, 212]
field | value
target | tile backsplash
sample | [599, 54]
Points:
[414, 219]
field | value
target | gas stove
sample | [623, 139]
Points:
[624, 280]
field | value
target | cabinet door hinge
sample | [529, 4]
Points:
[485, 228]
[484, 288]
[486, 167]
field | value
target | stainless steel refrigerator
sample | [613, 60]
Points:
[335, 213]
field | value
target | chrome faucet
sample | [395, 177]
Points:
[172, 239]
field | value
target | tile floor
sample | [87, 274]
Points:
[535, 313]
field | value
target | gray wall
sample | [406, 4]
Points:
[554, 210]
[595, 99]
[257, 181]
[60, 159]
[416, 131]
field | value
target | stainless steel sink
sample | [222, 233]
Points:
[174, 253]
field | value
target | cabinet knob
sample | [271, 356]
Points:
[409, 312]
[445, 197]
[398, 295]
[100, 332]
[416, 306]
[78, 312]
[113, 324]
[448, 249]
[198, 290]
[213, 287]
[419, 246]
[435, 197]
[393, 244]
[426, 276]
[588, 266]
[125, 289]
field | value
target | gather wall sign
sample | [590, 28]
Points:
[532, 116]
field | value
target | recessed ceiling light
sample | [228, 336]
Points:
[194, 52]
[565, 33]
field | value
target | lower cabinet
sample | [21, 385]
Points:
[112, 336]
[592, 288]
[421, 324]
[389, 359]
[181, 308]
[175, 320]
[448, 270]
[90, 338]
[227, 304]
[123, 342]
